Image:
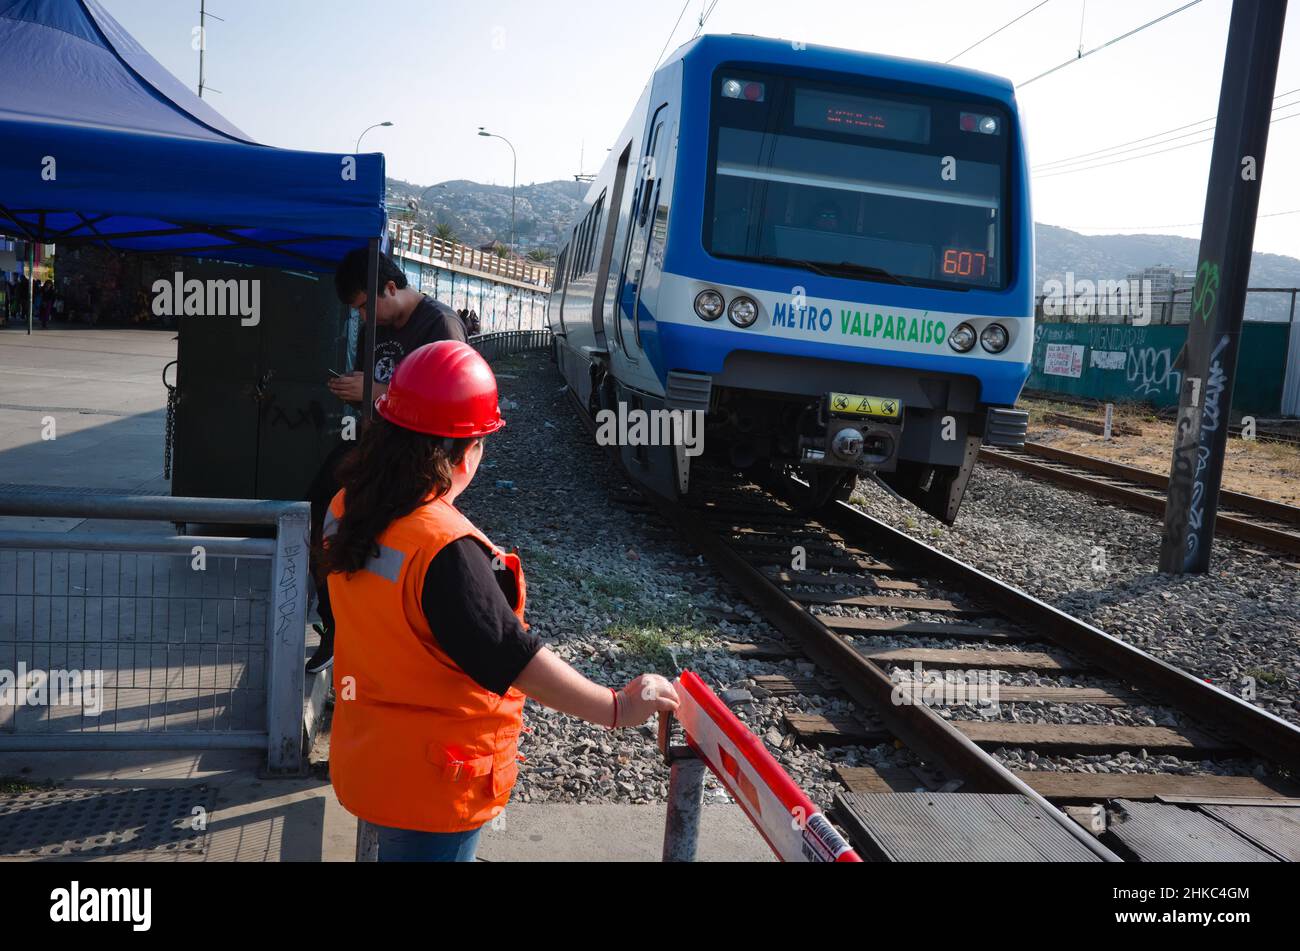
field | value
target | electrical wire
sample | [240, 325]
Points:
[997, 31]
[1097, 49]
[1088, 168]
[670, 35]
[704, 18]
[1188, 224]
[1046, 166]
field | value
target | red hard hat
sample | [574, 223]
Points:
[443, 389]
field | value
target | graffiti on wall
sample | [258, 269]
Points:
[1151, 372]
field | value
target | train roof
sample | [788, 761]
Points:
[717, 48]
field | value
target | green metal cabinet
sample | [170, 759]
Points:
[254, 418]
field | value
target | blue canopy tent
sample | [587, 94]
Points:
[99, 143]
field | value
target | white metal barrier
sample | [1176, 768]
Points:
[179, 641]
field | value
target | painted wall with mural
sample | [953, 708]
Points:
[500, 306]
[1119, 362]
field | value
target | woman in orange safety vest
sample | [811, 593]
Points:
[432, 655]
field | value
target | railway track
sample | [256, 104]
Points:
[1262, 521]
[1290, 437]
[861, 582]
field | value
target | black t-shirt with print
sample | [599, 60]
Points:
[430, 322]
[468, 606]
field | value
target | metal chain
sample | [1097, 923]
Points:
[171, 423]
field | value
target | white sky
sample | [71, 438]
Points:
[551, 76]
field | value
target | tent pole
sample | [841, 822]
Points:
[31, 282]
[368, 360]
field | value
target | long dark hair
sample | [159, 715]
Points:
[390, 474]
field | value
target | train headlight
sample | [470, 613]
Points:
[995, 338]
[742, 312]
[709, 305]
[962, 338]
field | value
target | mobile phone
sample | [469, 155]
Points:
[333, 372]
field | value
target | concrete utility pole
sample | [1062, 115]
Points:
[1222, 273]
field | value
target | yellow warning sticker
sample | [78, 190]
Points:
[850, 404]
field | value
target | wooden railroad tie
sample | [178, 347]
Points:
[779, 685]
[872, 779]
[761, 650]
[833, 580]
[943, 659]
[1097, 696]
[810, 728]
[1068, 738]
[933, 605]
[854, 625]
[1097, 787]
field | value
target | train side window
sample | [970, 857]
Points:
[577, 248]
[593, 231]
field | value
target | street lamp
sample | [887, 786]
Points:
[367, 129]
[513, 177]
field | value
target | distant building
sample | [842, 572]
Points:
[1167, 284]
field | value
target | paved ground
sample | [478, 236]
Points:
[103, 390]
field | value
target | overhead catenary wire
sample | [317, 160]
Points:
[671, 33]
[1052, 173]
[1052, 165]
[1186, 224]
[1112, 42]
[704, 18]
[997, 31]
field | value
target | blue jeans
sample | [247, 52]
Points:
[410, 845]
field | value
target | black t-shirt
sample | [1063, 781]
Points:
[469, 609]
[430, 322]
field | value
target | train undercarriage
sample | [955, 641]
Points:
[923, 454]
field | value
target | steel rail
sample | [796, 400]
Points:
[1228, 524]
[1267, 735]
[1253, 504]
[918, 726]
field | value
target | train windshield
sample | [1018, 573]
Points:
[856, 183]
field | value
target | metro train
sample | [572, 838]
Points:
[824, 255]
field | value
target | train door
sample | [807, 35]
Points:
[639, 226]
[607, 251]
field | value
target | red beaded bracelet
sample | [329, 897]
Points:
[614, 725]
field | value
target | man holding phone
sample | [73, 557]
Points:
[406, 320]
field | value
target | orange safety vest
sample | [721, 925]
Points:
[415, 742]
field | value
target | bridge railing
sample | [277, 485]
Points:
[506, 342]
[489, 262]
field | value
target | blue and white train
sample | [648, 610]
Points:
[829, 253]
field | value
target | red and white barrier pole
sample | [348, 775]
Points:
[792, 825]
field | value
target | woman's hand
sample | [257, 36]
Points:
[552, 682]
[643, 697]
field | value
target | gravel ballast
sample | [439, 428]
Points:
[1099, 562]
[615, 593]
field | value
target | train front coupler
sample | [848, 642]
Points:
[858, 433]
